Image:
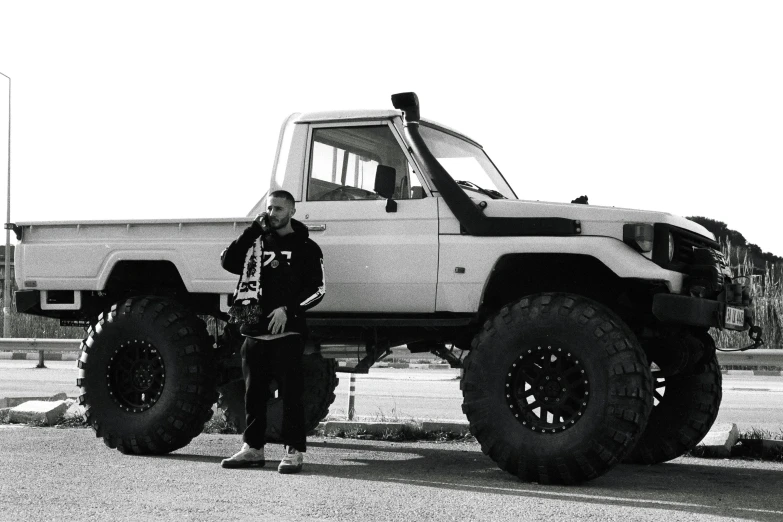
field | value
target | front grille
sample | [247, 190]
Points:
[685, 242]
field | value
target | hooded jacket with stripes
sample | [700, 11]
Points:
[298, 289]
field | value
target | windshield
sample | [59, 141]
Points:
[465, 161]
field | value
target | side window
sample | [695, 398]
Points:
[343, 161]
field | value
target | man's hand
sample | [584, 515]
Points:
[279, 318]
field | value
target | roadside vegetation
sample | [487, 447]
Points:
[767, 289]
[31, 326]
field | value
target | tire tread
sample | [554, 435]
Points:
[630, 389]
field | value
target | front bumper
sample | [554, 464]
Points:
[696, 311]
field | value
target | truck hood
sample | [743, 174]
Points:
[596, 220]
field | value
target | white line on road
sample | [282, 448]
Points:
[613, 500]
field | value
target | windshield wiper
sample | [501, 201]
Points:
[494, 194]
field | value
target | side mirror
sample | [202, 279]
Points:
[385, 180]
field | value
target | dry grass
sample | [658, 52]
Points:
[32, 326]
[767, 291]
[218, 424]
[761, 434]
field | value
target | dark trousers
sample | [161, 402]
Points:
[279, 360]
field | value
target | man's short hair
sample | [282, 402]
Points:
[285, 195]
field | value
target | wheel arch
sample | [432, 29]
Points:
[517, 275]
[144, 277]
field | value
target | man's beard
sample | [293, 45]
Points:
[281, 223]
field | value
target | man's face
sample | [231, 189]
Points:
[280, 212]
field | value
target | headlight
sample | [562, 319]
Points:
[639, 236]
[671, 247]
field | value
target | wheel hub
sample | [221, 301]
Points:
[547, 389]
[552, 390]
[136, 376]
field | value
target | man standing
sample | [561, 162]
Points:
[281, 276]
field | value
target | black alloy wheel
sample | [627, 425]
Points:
[547, 389]
[136, 375]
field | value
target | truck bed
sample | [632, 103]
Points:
[86, 251]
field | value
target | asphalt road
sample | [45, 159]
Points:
[67, 474]
[399, 394]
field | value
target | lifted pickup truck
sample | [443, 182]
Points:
[585, 328]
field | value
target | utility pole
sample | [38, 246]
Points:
[7, 282]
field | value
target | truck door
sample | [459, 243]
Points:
[375, 261]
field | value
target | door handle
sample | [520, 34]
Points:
[316, 228]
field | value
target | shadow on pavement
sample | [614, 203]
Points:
[736, 489]
[688, 485]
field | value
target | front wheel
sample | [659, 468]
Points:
[146, 373]
[556, 388]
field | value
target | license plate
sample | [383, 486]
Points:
[735, 317]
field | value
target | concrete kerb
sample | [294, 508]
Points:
[46, 413]
[721, 442]
[41, 411]
[412, 427]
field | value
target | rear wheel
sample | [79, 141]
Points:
[556, 389]
[686, 407]
[320, 381]
[146, 373]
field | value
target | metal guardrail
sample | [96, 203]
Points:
[750, 359]
[38, 345]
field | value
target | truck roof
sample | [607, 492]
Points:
[369, 115]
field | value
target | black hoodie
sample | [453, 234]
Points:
[298, 289]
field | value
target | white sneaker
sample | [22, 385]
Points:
[247, 457]
[292, 461]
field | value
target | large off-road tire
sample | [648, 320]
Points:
[147, 376]
[556, 388]
[686, 407]
[320, 381]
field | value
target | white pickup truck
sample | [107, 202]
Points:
[585, 328]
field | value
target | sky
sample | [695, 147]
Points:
[135, 110]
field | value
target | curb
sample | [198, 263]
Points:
[12, 402]
[390, 429]
[413, 366]
[721, 442]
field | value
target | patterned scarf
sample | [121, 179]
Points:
[247, 296]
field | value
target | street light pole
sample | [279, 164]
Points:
[7, 283]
